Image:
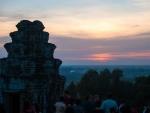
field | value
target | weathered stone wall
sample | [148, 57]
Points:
[30, 68]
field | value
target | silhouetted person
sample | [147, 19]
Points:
[60, 106]
[37, 108]
[89, 105]
[134, 108]
[146, 109]
[113, 110]
[97, 108]
[67, 97]
[97, 103]
[125, 109]
[109, 104]
[28, 108]
[77, 107]
[69, 108]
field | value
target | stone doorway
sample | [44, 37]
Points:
[13, 102]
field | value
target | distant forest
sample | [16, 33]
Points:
[106, 82]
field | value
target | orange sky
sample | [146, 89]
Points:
[85, 19]
[88, 20]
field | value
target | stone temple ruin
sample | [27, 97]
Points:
[30, 72]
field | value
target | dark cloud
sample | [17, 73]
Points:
[126, 44]
[74, 50]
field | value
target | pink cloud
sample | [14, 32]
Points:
[106, 57]
[102, 57]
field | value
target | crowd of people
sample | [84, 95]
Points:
[93, 104]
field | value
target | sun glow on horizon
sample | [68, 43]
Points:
[106, 31]
[102, 57]
[106, 57]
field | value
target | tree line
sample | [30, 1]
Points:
[105, 82]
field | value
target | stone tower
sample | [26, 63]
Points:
[30, 72]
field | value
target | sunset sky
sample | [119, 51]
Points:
[86, 31]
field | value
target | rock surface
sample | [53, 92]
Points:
[30, 70]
